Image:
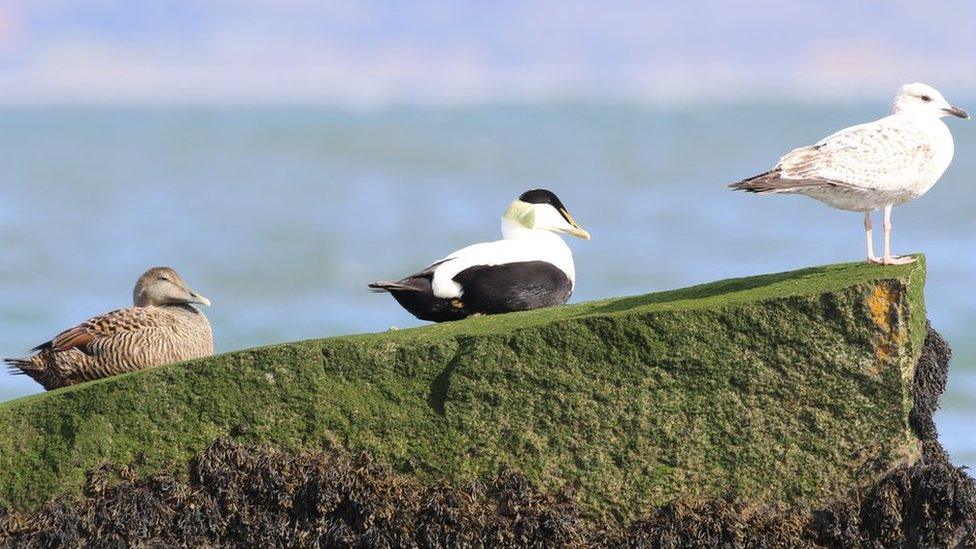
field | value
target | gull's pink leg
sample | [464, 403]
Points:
[888, 258]
[867, 233]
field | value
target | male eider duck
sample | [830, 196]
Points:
[161, 328]
[529, 268]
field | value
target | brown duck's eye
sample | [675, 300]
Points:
[926, 98]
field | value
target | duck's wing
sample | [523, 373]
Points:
[496, 252]
[417, 282]
[120, 323]
[437, 276]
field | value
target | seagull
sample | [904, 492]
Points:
[871, 166]
[530, 267]
[161, 328]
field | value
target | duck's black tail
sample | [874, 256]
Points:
[416, 296]
[381, 286]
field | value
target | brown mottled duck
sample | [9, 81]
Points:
[161, 328]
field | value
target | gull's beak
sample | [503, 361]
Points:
[197, 298]
[957, 112]
[576, 230]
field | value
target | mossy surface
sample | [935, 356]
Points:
[777, 388]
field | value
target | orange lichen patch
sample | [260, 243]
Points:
[880, 303]
[883, 308]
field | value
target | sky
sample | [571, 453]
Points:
[445, 51]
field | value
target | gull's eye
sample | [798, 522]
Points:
[926, 98]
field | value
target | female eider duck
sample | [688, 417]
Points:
[529, 268]
[161, 328]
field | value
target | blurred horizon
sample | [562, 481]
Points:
[436, 51]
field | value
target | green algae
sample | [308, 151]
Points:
[777, 388]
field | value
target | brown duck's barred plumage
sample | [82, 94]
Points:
[120, 341]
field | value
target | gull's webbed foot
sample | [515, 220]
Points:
[898, 260]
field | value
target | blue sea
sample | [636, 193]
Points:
[282, 214]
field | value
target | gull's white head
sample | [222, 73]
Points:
[539, 210]
[920, 99]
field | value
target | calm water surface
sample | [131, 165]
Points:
[282, 214]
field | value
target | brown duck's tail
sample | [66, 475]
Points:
[21, 366]
[37, 370]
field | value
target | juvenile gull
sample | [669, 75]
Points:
[871, 166]
[161, 328]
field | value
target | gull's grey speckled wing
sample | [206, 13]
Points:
[888, 155]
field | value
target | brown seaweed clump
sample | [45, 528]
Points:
[258, 496]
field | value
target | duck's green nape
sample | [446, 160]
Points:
[776, 388]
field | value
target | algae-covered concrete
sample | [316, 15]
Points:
[779, 388]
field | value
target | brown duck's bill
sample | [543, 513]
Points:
[197, 298]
